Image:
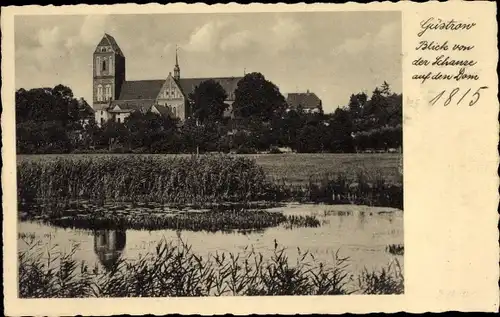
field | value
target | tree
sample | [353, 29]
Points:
[207, 101]
[42, 114]
[357, 103]
[201, 138]
[114, 133]
[341, 129]
[257, 97]
[146, 129]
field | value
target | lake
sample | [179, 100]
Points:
[361, 233]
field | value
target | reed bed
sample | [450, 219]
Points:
[211, 221]
[199, 181]
[387, 280]
[366, 189]
[396, 249]
[302, 221]
[174, 270]
[181, 180]
[221, 219]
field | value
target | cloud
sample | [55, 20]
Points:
[368, 40]
[49, 44]
[92, 29]
[236, 41]
[49, 37]
[286, 34]
[282, 35]
[205, 38]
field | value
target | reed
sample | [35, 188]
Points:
[396, 249]
[199, 180]
[174, 270]
[387, 280]
[367, 189]
[223, 219]
[302, 221]
[181, 180]
[211, 221]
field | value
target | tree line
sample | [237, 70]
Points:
[51, 120]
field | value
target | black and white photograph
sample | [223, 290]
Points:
[209, 154]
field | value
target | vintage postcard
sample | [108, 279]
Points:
[250, 159]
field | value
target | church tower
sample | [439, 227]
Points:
[177, 69]
[109, 71]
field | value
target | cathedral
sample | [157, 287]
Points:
[115, 98]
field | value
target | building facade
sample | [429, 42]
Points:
[308, 102]
[115, 98]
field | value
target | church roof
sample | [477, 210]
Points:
[164, 111]
[109, 40]
[228, 83]
[135, 90]
[307, 100]
[132, 105]
[141, 89]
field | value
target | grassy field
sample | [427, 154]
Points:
[298, 168]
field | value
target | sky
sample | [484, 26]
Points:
[333, 54]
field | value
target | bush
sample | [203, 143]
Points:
[275, 150]
[246, 150]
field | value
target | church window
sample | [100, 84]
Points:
[98, 62]
[174, 111]
[108, 92]
[118, 119]
[102, 121]
[99, 93]
[104, 65]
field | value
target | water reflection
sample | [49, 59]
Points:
[108, 246]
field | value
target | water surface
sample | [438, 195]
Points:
[358, 232]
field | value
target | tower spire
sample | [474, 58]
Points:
[176, 58]
[177, 69]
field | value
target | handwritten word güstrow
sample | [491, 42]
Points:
[432, 24]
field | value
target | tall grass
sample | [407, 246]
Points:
[204, 180]
[396, 249]
[367, 189]
[182, 180]
[174, 270]
[223, 219]
[388, 280]
[211, 221]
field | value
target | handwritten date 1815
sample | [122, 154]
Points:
[458, 95]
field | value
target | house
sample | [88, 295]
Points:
[115, 97]
[308, 101]
[86, 112]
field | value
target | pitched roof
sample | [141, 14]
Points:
[228, 83]
[85, 109]
[141, 89]
[307, 100]
[109, 40]
[164, 111]
[131, 105]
